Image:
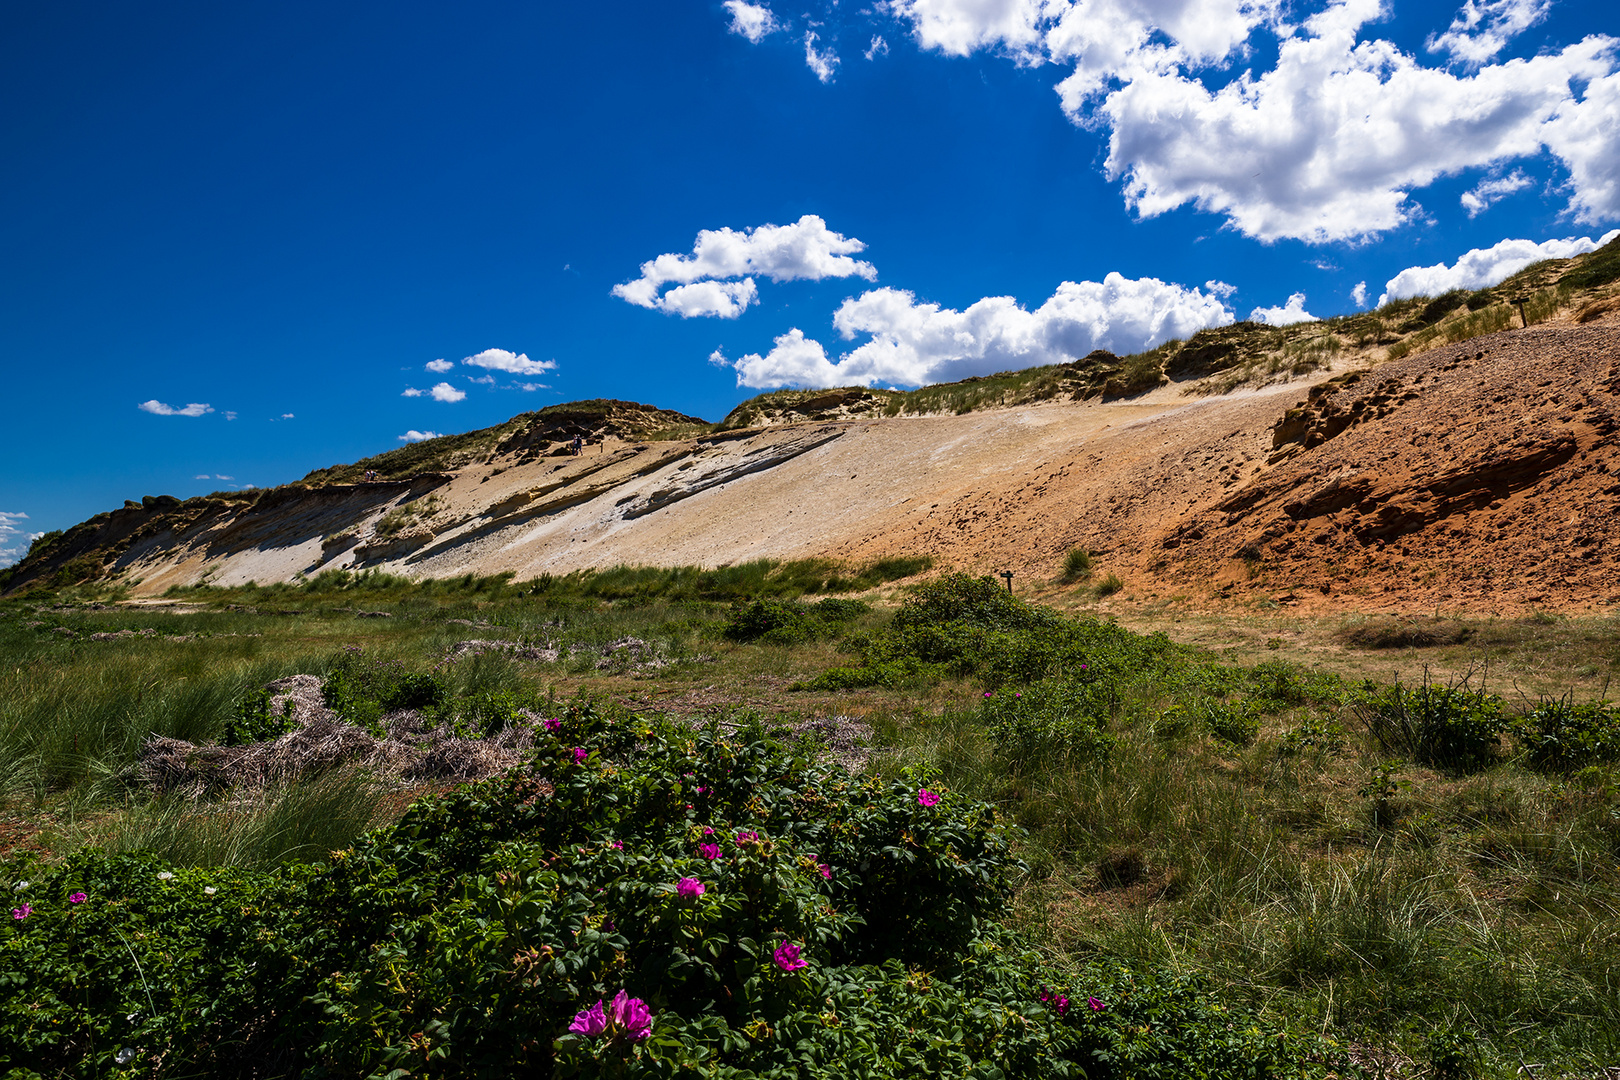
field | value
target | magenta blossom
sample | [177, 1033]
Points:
[826, 871]
[77, 898]
[630, 1015]
[747, 836]
[707, 831]
[926, 797]
[1096, 1006]
[580, 753]
[617, 845]
[787, 957]
[553, 725]
[591, 1022]
[22, 912]
[709, 851]
[988, 693]
[689, 888]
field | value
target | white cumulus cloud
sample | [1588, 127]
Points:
[1329, 143]
[913, 344]
[1290, 313]
[411, 391]
[722, 299]
[823, 62]
[805, 250]
[1483, 267]
[1486, 192]
[439, 366]
[418, 436]
[157, 408]
[1481, 30]
[509, 362]
[446, 393]
[752, 21]
[1359, 294]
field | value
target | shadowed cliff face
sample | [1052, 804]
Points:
[1482, 475]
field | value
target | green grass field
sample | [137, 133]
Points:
[1424, 876]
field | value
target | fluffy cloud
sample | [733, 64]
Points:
[157, 408]
[438, 367]
[14, 542]
[1483, 267]
[446, 393]
[411, 391]
[1586, 135]
[1359, 294]
[1481, 30]
[722, 299]
[286, 416]
[805, 250]
[752, 21]
[418, 436]
[793, 361]
[1329, 143]
[913, 344]
[510, 363]
[1290, 313]
[824, 62]
[1487, 192]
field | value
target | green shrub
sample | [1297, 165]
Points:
[253, 722]
[1449, 727]
[1108, 586]
[1235, 722]
[1562, 735]
[361, 691]
[462, 941]
[1049, 723]
[1076, 565]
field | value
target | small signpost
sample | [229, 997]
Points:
[1008, 575]
[1518, 302]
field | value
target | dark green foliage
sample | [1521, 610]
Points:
[1235, 722]
[362, 691]
[43, 541]
[1561, 735]
[1051, 722]
[962, 625]
[775, 622]
[253, 721]
[461, 941]
[788, 622]
[1449, 727]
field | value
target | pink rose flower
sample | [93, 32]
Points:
[23, 912]
[580, 753]
[554, 725]
[77, 898]
[926, 797]
[709, 851]
[1096, 1006]
[689, 888]
[591, 1021]
[787, 957]
[630, 1015]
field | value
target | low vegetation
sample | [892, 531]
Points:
[1072, 850]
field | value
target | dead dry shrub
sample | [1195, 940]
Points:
[1395, 632]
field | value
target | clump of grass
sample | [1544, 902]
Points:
[1108, 586]
[1076, 565]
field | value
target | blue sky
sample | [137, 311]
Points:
[233, 238]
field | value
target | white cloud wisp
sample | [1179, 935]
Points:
[418, 436]
[14, 542]
[914, 344]
[753, 21]
[509, 363]
[157, 408]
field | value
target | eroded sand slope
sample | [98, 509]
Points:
[1482, 475]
